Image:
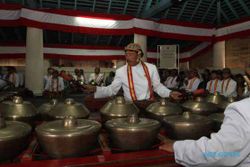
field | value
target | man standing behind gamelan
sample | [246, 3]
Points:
[139, 80]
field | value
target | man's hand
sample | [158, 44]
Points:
[89, 88]
[167, 146]
[176, 95]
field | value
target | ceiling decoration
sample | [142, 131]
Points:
[213, 12]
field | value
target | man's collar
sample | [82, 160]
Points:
[139, 63]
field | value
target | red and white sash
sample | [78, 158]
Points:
[190, 84]
[98, 79]
[215, 85]
[54, 85]
[131, 82]
[173, 78]
[170, 80]
[222, 85]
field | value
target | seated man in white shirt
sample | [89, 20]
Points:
[55, 85]
[193, 81]
[47, 76]
[138, 79]
[171, 81]
[228, 85]
[79, 76]
[21, 79]
[76, 73]
[230, 146]
[96, 78]
[13, 77]
[214, 85]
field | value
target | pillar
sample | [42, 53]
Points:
[219, 54]
[142, 40]
[34, 62]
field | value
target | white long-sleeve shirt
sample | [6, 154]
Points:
[46, 79]
[54, 85]
[212, 88]
[21, 78]
[230, 90]
[171, 82]
[229, 147]
[192, 84]
[140, 83]
[14, 79]
[81, 78]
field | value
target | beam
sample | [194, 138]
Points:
[214, 19]
[147, 6]
[195, 10]
[58, 4]
[162, 5]
[224, 15]
[231, 8]
[139, 9]
[109, 8]
[244, 6]
[182, 10]
[94, 3]
[218, 12]
[31, 4]
[75, 4]
[41, 3]
[208, 9]
[125, 7]
[158, 1]
[165, 14]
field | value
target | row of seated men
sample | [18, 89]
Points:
[53, 79]
[55, 82]
[220, 81]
